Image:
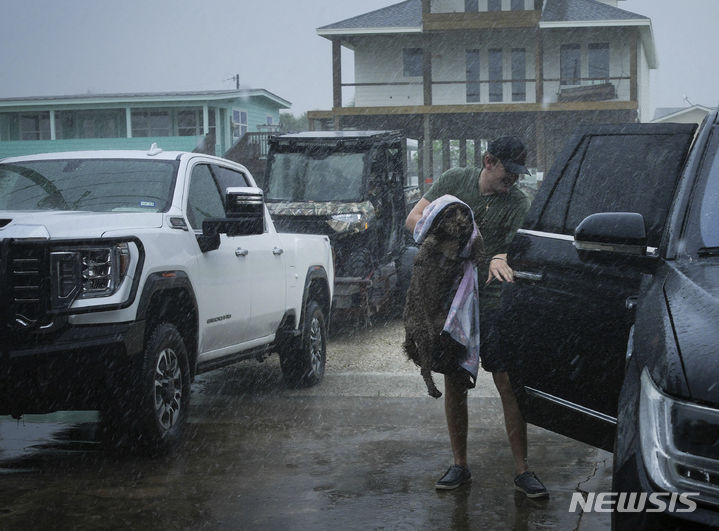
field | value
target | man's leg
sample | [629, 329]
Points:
[455, 409]
[513, 421]
[525, 481]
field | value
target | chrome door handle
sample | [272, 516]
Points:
[277, 251]
[241, 252]
[525, 275]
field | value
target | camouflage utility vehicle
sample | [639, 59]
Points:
[350, 186]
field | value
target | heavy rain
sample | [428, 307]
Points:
[239, 246]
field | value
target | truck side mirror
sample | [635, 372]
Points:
[614, 232]
[614, 238]
[245, 211]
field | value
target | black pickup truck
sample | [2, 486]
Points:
[613, 318]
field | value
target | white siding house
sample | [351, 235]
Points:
[459, 71]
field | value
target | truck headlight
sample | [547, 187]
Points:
[353, 222]
[679, 442]
[88, 272]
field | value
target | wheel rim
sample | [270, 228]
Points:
[168, 389]
[316, 346]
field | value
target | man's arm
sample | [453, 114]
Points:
[498, 267]
[416, 214]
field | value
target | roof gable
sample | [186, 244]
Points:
[405, 15]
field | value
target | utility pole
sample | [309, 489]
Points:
[236, 77]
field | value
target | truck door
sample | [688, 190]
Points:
[223, 289]
[263, 258]
[566, 322]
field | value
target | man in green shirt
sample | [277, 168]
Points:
[499, 208]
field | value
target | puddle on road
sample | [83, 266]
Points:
[64, 432]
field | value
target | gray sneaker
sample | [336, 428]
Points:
[455, 476]
[529, 484]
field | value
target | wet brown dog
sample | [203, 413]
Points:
[436, 269]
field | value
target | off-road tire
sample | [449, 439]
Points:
[303, 364]
[163, 390]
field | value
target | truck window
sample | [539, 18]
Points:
[702, 229]
[709, 210]
[204, 199]
[627, 173]
[228, 178]
[553, 217]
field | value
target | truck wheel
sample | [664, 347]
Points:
[164, 389]
[304, 364]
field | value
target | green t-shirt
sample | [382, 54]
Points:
[498, 216]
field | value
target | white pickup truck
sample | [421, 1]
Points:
[125, 273]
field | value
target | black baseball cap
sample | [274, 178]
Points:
[511, 152]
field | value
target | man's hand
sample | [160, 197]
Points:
[499, 269]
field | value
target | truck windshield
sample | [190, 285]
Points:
[709, 205]
[94, 185]
[297, 177]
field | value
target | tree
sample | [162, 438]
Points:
[289, 122]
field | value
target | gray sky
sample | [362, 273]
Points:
[62, 47]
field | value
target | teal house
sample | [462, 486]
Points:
[208, 121]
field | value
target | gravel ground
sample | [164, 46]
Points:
[377, 348]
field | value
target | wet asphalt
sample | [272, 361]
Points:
[360, 451]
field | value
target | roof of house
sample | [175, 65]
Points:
[591, 13]
[661, 113]
[585, 11]
[144, 97]
[406, 15]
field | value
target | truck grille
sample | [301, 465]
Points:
[26, 293]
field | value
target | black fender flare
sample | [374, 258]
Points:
[316, 272]
[171, 280]
[160, 281]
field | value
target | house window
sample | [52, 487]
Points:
[517, 5]
[471, 6]
[598, 61]
[472, 59]
[569, 64]
[519, 74]
[413, 58]
[150, 122]
[494, 5]
[495, 75]
[90, 124]
[189, 123]
[239, 123]
[35, 126]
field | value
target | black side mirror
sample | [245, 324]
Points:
[614, 238]
[245, 211]
[615, 232]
